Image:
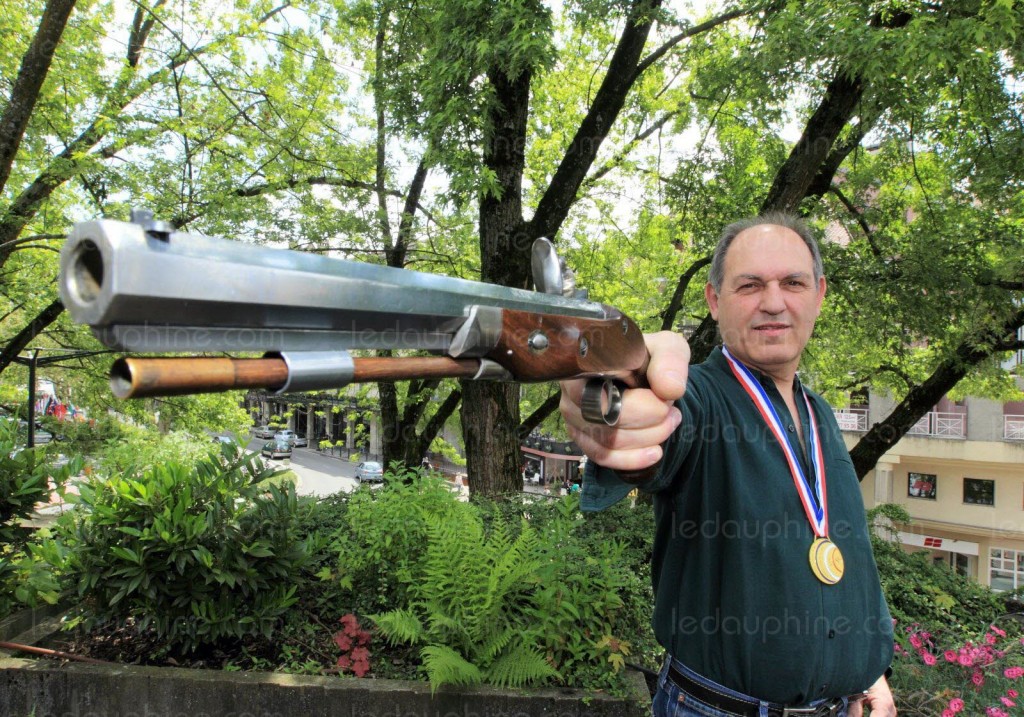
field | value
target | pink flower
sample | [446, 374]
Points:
[948, 713]
[978, 679]
[929, 658]
[1013, 673]
[965, 660]
[1007, 701]
[950, 655]
[915, 641]
[997, 631]
[990, 639]
[956, 704]
[995, 712]
[1012, 693]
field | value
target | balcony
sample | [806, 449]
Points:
[1013, 428]
[852, 419]
[940, 424]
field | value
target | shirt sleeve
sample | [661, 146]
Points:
[602, 487]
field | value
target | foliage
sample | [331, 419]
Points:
[195, 553]
[132, 447]
[469, 611]
[27, 478]
[936, 598]
[354, 643]
[495, 592]
[934, 675]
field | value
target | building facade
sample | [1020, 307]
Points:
[959, 473]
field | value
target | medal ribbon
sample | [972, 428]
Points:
[813, 497]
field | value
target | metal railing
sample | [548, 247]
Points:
[1013, 428]
[851, 419]
[941, 425]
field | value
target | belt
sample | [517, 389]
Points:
[748, 708]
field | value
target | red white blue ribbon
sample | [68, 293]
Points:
[813, 497]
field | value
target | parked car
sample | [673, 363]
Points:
[300, 441]
[222, 438]
[370, 471]
[264, 431]
[276, 449]
[285, 435]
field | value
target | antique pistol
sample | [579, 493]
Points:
[143, 287]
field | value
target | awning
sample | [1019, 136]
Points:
[560, 456]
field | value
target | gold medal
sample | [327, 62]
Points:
[826, 561]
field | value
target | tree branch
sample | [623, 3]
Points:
[35, 65]
[537, 417]
[34, 327]
[608, 102]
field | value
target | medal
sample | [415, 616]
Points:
[825, 559]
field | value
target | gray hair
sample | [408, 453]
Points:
[782, 219]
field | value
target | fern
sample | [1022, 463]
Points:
[399, 626]
[445, 666]
[519, 666]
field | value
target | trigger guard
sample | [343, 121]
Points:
[597, 393]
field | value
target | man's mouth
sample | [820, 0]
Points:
[771, 327]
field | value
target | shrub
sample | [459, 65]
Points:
[470, 611]
[196, 554]
[499, 592]
[27, 477]
[980, 676]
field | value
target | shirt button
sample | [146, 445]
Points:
[831, 634]
[790, 428]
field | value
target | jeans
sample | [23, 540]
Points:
[671, 701]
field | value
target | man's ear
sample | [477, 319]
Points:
[712, 298]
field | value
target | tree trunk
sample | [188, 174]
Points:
[490, 410]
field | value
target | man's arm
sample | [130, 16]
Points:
[648, 415]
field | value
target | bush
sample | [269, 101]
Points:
[195, 554]
[506, 593]
[27, 477]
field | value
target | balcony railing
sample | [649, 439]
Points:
[1013, 428]
[941, 425]
[852, 419]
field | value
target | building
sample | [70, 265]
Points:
[960, 475]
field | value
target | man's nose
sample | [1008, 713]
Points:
[772, 300]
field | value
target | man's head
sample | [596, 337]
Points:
[765, 291]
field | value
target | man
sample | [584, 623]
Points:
[767, 597]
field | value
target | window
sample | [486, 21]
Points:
[922, 485]
[978, 491]
[1006, 568]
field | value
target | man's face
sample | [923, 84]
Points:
[769, 300]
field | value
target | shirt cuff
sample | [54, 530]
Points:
[602, 488]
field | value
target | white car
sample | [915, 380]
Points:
[285, 435]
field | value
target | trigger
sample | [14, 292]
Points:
[601, 401]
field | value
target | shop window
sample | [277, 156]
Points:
[922, 485]
[978, 491]
[1006, 569]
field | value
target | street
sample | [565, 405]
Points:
[319, 474]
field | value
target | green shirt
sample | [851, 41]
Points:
[735, 598]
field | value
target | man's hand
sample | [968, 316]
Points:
[879, 700]
[648, 416]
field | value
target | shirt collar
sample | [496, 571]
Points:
[718, 360]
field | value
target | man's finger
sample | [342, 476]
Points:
[669, 366]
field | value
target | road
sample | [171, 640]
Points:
[319, 475]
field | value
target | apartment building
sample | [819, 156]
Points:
[960, 475]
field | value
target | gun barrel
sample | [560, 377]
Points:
[152, 292]
[144, 377]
